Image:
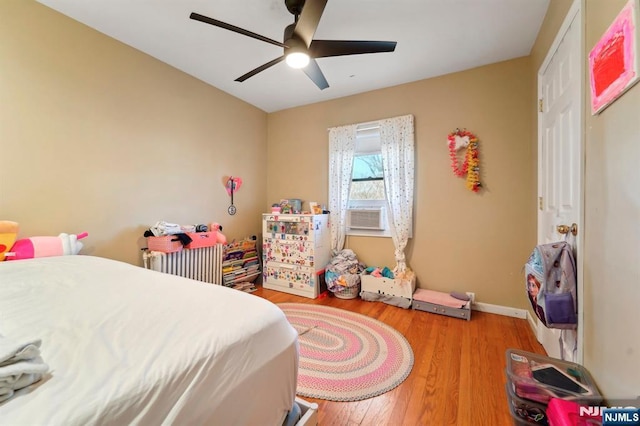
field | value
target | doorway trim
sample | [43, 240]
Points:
[575, 13]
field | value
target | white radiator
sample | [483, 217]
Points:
[202, 264]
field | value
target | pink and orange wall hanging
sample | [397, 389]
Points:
[613, 62]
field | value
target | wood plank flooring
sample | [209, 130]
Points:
[458, 377]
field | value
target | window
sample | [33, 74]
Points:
[367, 182]
[355, 153]
[367, 186]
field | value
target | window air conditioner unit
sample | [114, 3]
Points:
[371, 219]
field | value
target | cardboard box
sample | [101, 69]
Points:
[390, 287]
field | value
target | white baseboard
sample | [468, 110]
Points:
[533, 324]
[500, 310]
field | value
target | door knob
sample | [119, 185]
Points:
[565, 229]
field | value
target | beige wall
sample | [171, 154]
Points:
[612, 216]
[462, 241]
[96, 136]
[612, 230]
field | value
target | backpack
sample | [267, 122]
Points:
[550, 281]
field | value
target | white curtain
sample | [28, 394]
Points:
[396, 139]
[342, 145]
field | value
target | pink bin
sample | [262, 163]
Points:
[164, 244]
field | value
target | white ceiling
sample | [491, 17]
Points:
[435, 37]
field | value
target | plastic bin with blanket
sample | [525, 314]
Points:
[342, 275]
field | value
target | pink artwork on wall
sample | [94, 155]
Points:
[613, 61]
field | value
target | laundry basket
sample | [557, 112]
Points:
[348, 292]
[342, 275]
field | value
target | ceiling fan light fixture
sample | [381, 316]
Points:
[299, 46]
[297, 60]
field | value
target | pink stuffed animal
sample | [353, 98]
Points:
[8, 234]
[63, 244]
[220, 238]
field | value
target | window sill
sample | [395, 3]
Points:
[367, 233]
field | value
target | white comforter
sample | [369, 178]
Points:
[126, 345]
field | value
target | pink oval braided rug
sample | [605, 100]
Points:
[345, 356]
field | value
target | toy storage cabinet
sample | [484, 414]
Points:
[295, 250]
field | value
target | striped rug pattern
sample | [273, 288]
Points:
[345, 356]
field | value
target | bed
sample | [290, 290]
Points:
[126, 345]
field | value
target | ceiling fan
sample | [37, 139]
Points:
[300, 49]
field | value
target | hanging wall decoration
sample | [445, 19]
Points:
[456, 141]
[614, 62]
[232, 184]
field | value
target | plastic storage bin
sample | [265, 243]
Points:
[164, 244]
[539, 378]
[525, 412]
[202, 239]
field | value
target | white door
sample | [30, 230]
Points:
[560, 162]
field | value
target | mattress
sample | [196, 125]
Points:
[126, 345]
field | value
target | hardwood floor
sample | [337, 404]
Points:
[458, 376]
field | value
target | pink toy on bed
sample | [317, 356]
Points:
[63, 244]
[8, 234]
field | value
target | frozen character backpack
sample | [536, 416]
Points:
[550, 280]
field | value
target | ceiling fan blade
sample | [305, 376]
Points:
[309, 20]
[215, 22]
[326, 48]
[312, 70]
[259, 69]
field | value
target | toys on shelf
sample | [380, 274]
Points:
[288, 206]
